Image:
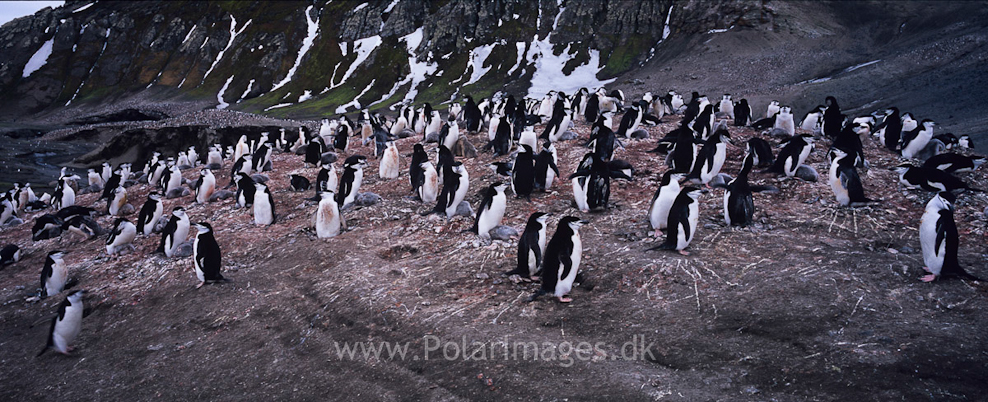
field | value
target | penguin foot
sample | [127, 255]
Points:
[684, 252]
[564, 299]
[928, 278]
[927, 269]
[200, 284]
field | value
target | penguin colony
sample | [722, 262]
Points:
[525, 136]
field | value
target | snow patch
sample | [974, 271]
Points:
[219, 96]
[521, 54]
[712, 31]
[310, 37]
[189, 35]
[477, 58]
[355, 103]
[306, 95]
[360, 7]
[92, 68]
[363, 48]
[39, 59]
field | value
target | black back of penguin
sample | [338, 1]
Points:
[416, 175]
[528, 246]
[523, 172]
[207, 253]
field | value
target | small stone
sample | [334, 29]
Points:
[126, 209]
[221, 195]
[328, 157]
[178, 192]
[482, 275]
[260, 178]
[184, 250]
[568, 135]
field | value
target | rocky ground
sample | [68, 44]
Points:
[813, 302]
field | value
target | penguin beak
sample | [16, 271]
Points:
[584, 222]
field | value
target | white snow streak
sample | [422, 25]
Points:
[310, 37]
[306, 95]
[219, 96]
[363, 48]
[355, 103]
[521, 54]
[83, 8]
[90, 68]
[391, 6]
[189, 35]
[278, 106]
[233, 35]
[360, 7]
[250, 85]
[852, 68]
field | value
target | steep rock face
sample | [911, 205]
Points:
[244, 51]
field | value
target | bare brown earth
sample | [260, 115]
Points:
[814, 302]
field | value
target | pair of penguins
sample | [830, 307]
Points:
[557, 261]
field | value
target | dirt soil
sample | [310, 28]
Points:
[814, 302]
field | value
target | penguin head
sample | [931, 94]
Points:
[458, 167]
[647, 97]
[691, 191]
[356, 161]
[119, 191]
[727, 97]
[499, 186]
[944, 200]
[830, 101]
[154, 195]
[261, 188]
[902, 168]
[206, 172]
[836, 154]
[76, 296]
[56, 255]
[203, 227]
[573, 222]
[119, 221]
[179, 212]
[540, 217]
[928, 124]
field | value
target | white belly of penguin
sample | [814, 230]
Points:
[389, 164]
[839, 191]
[59, 275]
[262, 210]
[681, 239]
[461, 193]
[195, 259]
[68, 328]
[492, 217]
[718, 162]
[933, 256]
[565, 284]
[327, 220]
[430, 188]
[580, 193]
[358, 178]
[659, 216]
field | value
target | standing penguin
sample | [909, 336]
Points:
[205, 186]
[784, 121]
[175, 232]
[121, 235]
[313, 152]
[245, 190]
[683, 217]
[415, 173]
[916, 139]
[66, 325]
[353, 177]
[739, 206]
[531, 247]
[833, 120]
[844, 180]
[665, 195]
[326, 179]
[329, 221]
[263, 205]
[206, 256]
[793, 154]
[54, 275]
[939, 239]
[545, 168]
[491, 210]
[117, 200]
[150, 213]
[429, 190]
[523, 173]
[772, 109]
[455, 186]
[561, 262]
[890, 129]
[390, 162]
[685, 150]
[742, 113]
[711, 157]
[727, 106]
